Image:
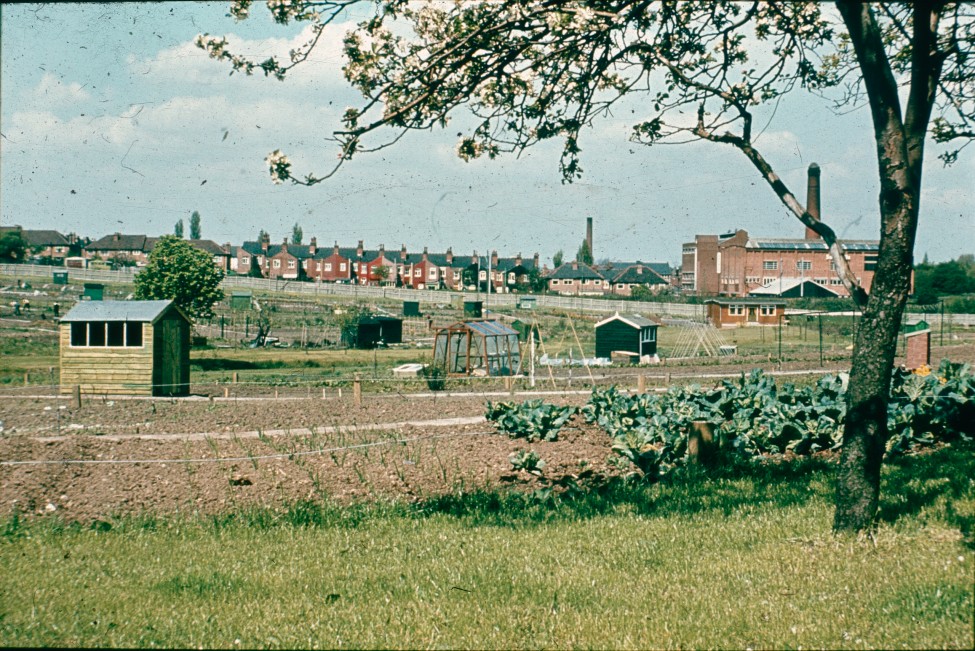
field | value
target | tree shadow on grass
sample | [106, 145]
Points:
[936, 484]
[686, 491]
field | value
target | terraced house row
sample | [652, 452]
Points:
[359, 265]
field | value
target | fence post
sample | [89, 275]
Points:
[641, 383]
[226, 392]
[357, 390]
[76, 397]
[235, 377]
[26, 378]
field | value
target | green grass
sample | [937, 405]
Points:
[740, 559]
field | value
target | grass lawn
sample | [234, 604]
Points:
[740, 560]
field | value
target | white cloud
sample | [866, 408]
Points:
[187, 63]
[54, 93]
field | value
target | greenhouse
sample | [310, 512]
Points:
[477, 348]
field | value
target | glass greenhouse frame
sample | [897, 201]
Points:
[477, 348]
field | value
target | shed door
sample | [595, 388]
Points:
[752, 315]
[170, 373]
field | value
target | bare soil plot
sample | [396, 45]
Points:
[150, 457]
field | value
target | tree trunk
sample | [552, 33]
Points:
[865, 431]
[900, 155]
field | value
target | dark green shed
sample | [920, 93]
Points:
[626, 333]
[94, 291]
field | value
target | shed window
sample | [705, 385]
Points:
[768, 310]
[79, 334]
[736, 310]
[96, 333]
[116, 333]
[133, 334]
[102, 333]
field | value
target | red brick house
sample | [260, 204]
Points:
[336, 267]
[577, 278]
[638, 274]
[120, 247]
[731, 312]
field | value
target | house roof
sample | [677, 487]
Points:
[660, 268]
[120, 242]
[634, 320]
[37, 238]
[639, 274]
[142, 311]
[746, 301]
[509, 264]
[581, 272]
[209, 246]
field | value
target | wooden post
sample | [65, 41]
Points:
[357, 390]
[226, 392]
[641, 383]
[700, 442]
[275, 394]
[76, 397]
[26, 378]
[235, 377]
[323, 393]
[509, 384]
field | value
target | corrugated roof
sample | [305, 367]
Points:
[142, 311]
[490, 328]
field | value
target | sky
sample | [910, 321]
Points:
[112, 120]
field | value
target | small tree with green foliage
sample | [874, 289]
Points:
[584, 255]
[297, 234]
[179, 229]
[13, 247]
[182, 273]
[536, 282]
[195, 232]
[557, 259]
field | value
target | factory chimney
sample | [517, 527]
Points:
[589, 236]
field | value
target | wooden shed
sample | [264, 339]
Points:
[138, 348]
[374, 331]
[626, 333]
[730, 312]
[473, 309]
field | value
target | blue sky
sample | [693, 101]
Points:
[112, 120]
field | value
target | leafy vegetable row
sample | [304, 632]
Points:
[753, 417]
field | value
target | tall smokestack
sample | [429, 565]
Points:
[812, 199]
[589, 236]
